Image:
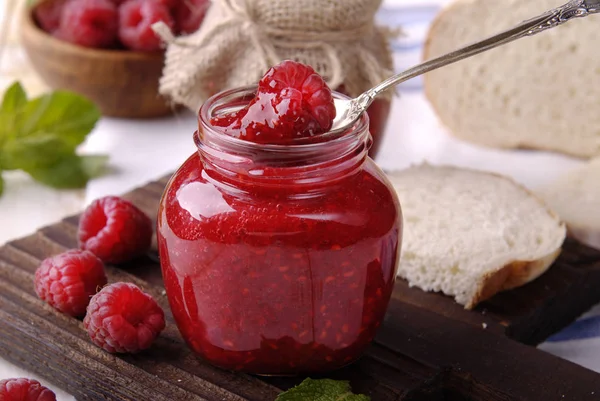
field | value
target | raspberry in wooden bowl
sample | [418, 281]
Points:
[102, 49]
[278, 242]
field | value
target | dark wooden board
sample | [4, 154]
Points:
[429, 348]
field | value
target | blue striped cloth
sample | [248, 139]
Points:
[414, 20]
[579, 342]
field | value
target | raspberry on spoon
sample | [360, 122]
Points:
[135, 23]
[68, 280]
[23, 389]
[123, 319]
[115, 230]
[292, 101]
[90, 23]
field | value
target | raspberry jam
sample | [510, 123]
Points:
[292, 102]
[278, 259]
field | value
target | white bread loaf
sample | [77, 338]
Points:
[540, 92]
[472, 234]
[576, 198]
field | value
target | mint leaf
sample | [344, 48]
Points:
[321, 390]
[93, 165]
[69, 172]
[33, 152]
[67, 115]
[14, 99]
[40, 137]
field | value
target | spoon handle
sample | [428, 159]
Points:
[551, 19]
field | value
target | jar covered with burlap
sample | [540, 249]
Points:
[240, 40]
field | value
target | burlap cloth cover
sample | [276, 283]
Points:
[240, 39]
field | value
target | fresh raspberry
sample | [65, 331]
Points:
[135, 23]
[169, 3]
[23, 389]
[90, 23]
[68, 280]
[292, 101]
[189, 15]
[115, 230]
[121, 318]
[47, 14]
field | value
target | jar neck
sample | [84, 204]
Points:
[301, 164]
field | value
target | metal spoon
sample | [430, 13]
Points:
[349, 110]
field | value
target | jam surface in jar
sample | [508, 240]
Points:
[279, 260]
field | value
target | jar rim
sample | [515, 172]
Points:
[302, 145]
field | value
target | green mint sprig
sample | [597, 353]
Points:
[321, 390]
[40, 136]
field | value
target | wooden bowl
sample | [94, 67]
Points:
[121, 83]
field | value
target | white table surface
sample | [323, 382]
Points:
[141, 151]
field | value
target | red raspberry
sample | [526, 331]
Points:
[23, 389]
[189, 15]
[115, 230]
[47, 14]
[135, 23]
[292, 101]
[121, 318]
[68, 280]
[90, 23]
[168, 3]
[316, 95]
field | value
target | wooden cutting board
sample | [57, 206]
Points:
[428, 349]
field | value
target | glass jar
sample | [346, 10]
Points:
[278, 259]
[379, 113]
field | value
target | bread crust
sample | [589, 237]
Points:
[512, 275]
[518, 272]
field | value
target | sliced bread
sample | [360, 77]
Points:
[576, 198]
[541, 92]
[472, 234]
